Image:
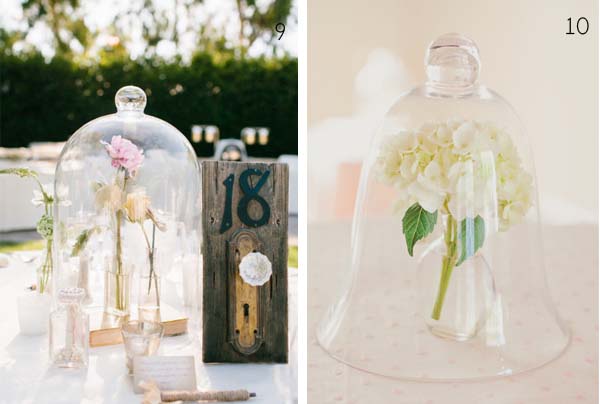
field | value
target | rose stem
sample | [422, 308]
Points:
[120, 299]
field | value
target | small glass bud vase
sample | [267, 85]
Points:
[69, 330]
[149, 298]
[117, 286]
[117, 277]
[150, 286]
[454, 300]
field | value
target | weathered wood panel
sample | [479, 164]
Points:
[243, 323]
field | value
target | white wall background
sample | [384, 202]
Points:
[550, 78]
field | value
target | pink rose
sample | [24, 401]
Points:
[124, 154]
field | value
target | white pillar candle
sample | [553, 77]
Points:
[263, 136]
[33, 310]
[196, 133]
[211, 134]
[249, 136]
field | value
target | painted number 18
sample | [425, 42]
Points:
[250, 193]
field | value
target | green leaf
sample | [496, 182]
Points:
[83, 239]
[21, 172]
[471, 235]
[417, 224]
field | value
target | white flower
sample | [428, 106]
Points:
[409, 168]
[137, 205]
[462, 198]
[38, 197]
[424, 137]
[433, 177]
[512, 213]
[503, 145]
[60, 197]
[453, 124]
[388, 162]
[429, 199]
[464, 168]
[403, 202]
[441, 136]
[428, 189]
[406, 141]
[255, 269]
[465, 138]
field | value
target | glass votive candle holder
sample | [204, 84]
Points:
[140, 338]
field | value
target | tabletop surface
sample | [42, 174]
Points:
[572, 272]
[25, 376]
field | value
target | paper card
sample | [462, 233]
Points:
[169, 372]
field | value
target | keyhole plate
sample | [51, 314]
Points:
[244, 299]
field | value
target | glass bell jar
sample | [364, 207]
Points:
[133, 220]
[447, 274]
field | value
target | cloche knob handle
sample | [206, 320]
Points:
[130, 98]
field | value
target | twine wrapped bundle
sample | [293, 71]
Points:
[153, 395]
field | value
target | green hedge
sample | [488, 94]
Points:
[48, 101]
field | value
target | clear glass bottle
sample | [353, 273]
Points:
[69, 330]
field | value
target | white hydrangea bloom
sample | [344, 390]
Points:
[464, 138]
[465, 168]
[255, 269]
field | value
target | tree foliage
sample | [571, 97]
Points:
[49, 101]
[152, 22]
[256, 23]
[65, 21]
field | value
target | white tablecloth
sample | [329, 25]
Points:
[25, 376]
[572, 270]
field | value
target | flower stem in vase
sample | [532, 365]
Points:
[152, 276]
[152, 272]
[46, 268]
[448, 263]
[120, 300]
[127, 158]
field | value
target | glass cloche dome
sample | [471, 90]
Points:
[447, 277]
[130, 227]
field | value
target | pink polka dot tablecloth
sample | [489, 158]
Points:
[572, 271]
